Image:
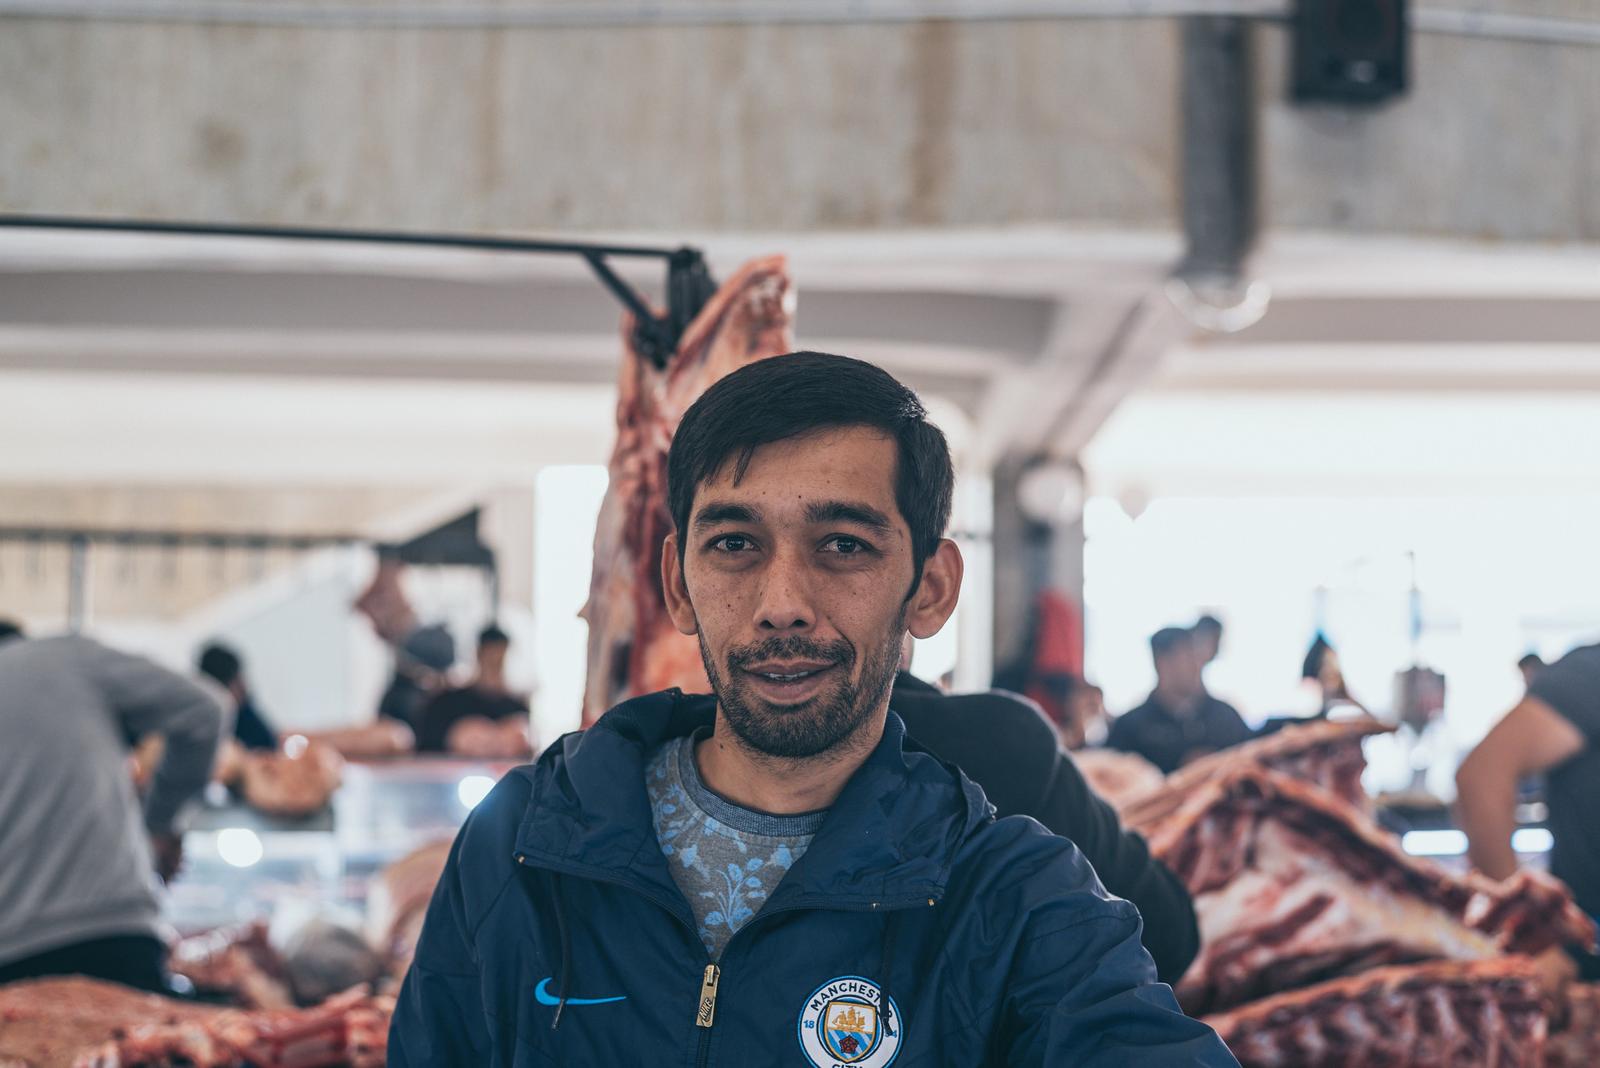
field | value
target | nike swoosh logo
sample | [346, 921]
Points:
[542, 995]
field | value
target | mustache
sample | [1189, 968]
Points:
[793, 647]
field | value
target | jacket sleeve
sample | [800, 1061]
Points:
[1123, 861]
[147, 699]
[1082, 991]
[439, 1015]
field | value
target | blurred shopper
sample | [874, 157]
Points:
[773, 873]
[250, 728]
[1321, 666]
[1179, 721]
[422, 662]
[78, 859]
[1554, 730]
[483, 719]
[1530, 666]
[1005, 745]
[1087, 722]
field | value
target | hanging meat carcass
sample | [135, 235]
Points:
[1486, 1014]
[1327, 753]
[633, 647]
[1121, 779]
[1293, 885]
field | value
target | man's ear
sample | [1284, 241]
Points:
[677, 592]
[938, 591]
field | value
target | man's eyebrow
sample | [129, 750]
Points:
[847, 512]
[718, 512]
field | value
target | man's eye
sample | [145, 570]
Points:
[847, 546]
[732, 543]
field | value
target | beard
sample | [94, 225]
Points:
[822, 722]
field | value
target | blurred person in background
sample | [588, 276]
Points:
[1087, 723]
[250, 728]
[1321, 666]
[483, 719]
[1179, 721]
[1530, 666]
[422, 663]
[1554, 730]
[78, 890]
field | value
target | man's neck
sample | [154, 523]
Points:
[779, 785]
[1177, 702]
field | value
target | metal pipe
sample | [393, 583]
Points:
[1549, 29]
[309, 233]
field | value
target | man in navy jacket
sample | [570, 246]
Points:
[774, 874]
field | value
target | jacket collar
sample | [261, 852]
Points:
[888, 841]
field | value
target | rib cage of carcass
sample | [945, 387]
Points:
[1293, 885]
[1484, 1014]
[633, 647]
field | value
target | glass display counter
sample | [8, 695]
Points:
[241, 864]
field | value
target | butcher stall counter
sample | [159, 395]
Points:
[240, 864]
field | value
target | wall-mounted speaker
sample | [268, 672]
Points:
[1349, 51]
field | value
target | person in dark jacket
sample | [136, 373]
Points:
[773, 874]
[1179, 721]
[1009, 749]
[226, 667]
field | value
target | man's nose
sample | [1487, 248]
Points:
[785, 601]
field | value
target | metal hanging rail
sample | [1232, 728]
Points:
[689, 284]
[1463, 21]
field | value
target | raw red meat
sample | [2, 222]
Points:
[1327, 753]
[236, 961]
[1486, 1014]
[633, 647]
[1575, 1034]
[85, 1023]
[397, 900]
[1293, 885]
[1121, 779]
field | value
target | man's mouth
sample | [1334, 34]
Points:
[790, 672]
[788, 682]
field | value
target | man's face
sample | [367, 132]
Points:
[492, 658]
[795, 582]
[1178, 669]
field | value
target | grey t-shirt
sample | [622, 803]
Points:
[74, 859]
[726, 859]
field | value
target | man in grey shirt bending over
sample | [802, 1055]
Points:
[78, 891]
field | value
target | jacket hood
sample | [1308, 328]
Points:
[889, 840]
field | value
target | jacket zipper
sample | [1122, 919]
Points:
[711, 978]
[707, 1013]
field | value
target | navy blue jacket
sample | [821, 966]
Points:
[917, 929]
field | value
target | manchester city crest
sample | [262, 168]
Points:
[844, 1022]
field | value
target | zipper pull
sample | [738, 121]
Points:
[708, 996]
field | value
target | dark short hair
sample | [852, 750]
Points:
[221, 663]
[1207, 624]
[9, 630]
[1531, 660]
[787, 396]
[1168, 639]
[493, 635]
[1311, 668]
